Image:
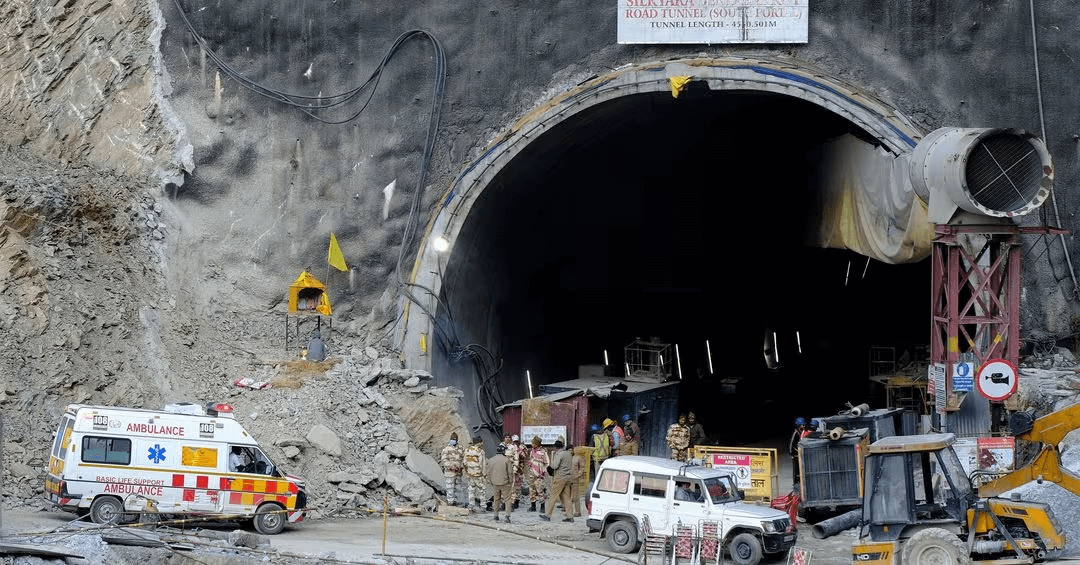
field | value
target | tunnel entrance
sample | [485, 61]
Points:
[684, 219]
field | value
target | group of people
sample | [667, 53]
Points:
[610, 439]
[512, 466]
[685, 434]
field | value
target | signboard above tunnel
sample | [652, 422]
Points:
[713, 21]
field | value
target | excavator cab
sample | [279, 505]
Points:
[913, 480]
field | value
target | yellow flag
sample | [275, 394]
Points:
[334, 256]
[678, 84]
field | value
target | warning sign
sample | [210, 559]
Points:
[735, 463]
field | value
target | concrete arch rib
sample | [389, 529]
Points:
[894, 132]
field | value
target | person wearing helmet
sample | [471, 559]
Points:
[793, 449]
[451, 459]
[601, 443]
[617, 435]
[631, 436]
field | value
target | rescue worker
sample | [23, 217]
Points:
[516, 454]
[601, 446]
[577, 474]
[500, 476]
[697, 431]
[678, 438]
[632, 439]
[793, 450]
[561, 467]
[475, 467]
[239, 460]
[450, 459]
[617, 435]
[537, 468]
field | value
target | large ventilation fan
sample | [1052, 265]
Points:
[992, 172]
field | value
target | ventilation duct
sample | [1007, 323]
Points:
[985, 171]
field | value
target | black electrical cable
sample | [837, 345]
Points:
[489, 396]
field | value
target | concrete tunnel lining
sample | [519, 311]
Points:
[894, 133]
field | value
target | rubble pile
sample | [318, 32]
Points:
[88, 315]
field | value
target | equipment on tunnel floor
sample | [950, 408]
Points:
[920, 507]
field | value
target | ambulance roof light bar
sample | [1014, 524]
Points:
[219, 409]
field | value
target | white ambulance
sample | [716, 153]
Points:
[114, 463]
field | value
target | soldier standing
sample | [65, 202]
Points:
[500, 474]
[516, 454]
[450, 459]
[537, 467]
[561, 464]
[678, 438]
[697, 431]
[475, 467]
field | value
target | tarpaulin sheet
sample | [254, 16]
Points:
[866, 204]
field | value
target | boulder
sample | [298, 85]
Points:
[425, 466]
[408, 484]
[325, 439]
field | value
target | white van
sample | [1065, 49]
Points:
[672, 492]
[113, 462]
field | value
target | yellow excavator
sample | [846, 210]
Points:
[919, 506]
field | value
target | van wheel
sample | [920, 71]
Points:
[745, 549]
[269, 519]
[106, 510]
[621, 536]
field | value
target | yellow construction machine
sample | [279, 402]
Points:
[919, 506]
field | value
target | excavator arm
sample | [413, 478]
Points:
[1046, 466]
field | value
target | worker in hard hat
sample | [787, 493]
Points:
[601, 444]
[617, 435]
[800, 431]
[631, 444]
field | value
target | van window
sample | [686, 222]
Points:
[612, 480]
[106, 450]
[651, 485]
[63, 436]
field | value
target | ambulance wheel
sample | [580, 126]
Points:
[269, 519]
[106, 510]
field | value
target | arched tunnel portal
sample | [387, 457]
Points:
[619, 211]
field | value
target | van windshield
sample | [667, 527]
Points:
[721, 490]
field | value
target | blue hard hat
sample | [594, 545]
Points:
[814, 423]
[800, 421]
[594, 428]
[626, 418]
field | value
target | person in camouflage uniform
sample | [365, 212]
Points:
[678, 438]
[476, 473]
[516, 454]
[537, 469]
[451, 459]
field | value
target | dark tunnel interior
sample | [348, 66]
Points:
[685, 220]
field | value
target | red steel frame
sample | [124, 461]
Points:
[976, 303]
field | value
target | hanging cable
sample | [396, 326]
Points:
[1042, 126]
